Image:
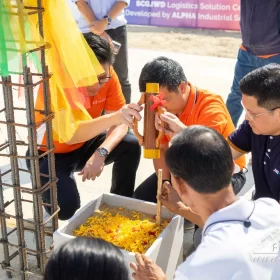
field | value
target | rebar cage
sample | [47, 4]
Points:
[17, 134]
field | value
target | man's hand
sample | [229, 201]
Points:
[174, 125]
[170, 199]
[98, 26]
[127, 114]
[93, 167]
[146, 269]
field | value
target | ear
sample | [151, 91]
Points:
[182, 187]
[182, 88]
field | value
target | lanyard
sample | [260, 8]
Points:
[246, 222]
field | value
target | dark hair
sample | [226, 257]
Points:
[263, 84]
[86, 259]
[101, 48]
[164, 71]
[202, 158]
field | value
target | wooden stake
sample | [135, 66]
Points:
[159, 185]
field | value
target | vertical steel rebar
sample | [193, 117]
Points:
[4, 229]
[49, 134]
[34, 169]
[11, 131]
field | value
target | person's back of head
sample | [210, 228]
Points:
[263, 84]
[202, 158]
[164, 71]
[101, 48]
[87, 259]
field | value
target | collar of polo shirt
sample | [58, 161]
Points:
[238, 212]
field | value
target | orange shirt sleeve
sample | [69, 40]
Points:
[115, 99]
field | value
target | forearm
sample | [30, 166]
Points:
[116, 9]
[191, 216]
[114, 136]
[86, 11]
[89, 129]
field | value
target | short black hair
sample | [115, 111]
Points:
[202, 158]
[102, 49]
[263, 84]
[164, 71]
[86, 259]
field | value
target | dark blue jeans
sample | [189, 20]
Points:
[125, 157]
[245, 64]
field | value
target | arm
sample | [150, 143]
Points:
[89, 129]
[160, 163]
[99, 26]
[86, 11]
[114, 136]
[117, 9]
[235, 154]
[171, 200]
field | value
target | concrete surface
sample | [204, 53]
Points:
[213, 73]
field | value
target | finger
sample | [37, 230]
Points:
[98, 174]
[81, 172]
[167, 187]
[134, 113]
[139, 259]
[129, 118]
[169, 132]
[135, 106]
[146, 259]
[133, 266]
[93, 178]
[84, 176]
[134, 275]
[158, 123]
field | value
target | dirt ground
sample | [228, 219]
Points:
[191, 41]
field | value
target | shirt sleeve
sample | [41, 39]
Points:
[240, 139]
[126, 1]
[115, 99]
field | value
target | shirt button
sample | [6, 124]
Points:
[268, 150]
[264, 163]
[270, 137]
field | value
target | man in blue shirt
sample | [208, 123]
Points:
[107, 18]
[260, 132]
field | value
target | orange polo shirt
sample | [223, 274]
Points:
[208, 109]
[108, 98]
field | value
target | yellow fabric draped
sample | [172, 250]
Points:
[72, 64]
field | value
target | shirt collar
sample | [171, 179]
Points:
[191, 101]
[240, 210]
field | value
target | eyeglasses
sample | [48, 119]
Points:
[252, 116]
[104, 80]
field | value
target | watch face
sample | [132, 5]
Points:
[103, 152]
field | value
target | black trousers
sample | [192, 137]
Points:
[121, 60]
[148, 189]
[125, 156]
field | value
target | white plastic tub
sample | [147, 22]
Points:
[165, 251]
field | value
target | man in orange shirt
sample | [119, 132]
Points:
[92, 147]
[192, 106]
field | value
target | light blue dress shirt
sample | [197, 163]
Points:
[100, 9]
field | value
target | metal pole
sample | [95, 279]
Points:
[8, 101]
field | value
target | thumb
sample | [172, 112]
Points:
[81, 172]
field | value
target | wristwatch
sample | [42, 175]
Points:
[103, 152]
[109, 20]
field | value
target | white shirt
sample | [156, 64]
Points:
[230, 251]
[100, 9]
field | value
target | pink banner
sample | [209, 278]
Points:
[212, 14]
